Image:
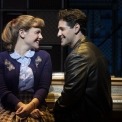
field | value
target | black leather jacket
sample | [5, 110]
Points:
[86, 94]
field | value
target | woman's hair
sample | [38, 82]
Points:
[73, 16]
[11, 30]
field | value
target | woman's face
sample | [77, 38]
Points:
[32, 37]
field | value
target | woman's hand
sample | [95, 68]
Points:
[25, 109]
[36, 113]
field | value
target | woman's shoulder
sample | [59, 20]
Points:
[42, 53]
[4, 53]
[3, 56]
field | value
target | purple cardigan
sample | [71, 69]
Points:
[9, 77]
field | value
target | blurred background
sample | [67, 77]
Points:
[104, 26]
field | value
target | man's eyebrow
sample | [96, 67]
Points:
[60, 27]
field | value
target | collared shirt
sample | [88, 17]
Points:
[26, 78]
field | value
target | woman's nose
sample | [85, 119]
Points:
[40, 36]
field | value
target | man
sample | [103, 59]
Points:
[86, 95]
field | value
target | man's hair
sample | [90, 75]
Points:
[73, 16]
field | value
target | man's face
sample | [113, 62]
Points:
[66, 33]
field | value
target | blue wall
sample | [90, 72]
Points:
[104, 28]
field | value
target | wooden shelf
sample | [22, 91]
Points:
[58, 82]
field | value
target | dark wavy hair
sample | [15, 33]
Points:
[73, 16]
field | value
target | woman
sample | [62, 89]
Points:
[25, 72]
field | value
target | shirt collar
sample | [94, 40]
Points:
[28, 54]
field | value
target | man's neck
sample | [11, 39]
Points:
[77, 38]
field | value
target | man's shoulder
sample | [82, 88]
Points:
[81, 49]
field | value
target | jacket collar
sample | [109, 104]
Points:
[80, 41]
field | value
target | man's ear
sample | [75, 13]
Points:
[77, 28]
[22, 33]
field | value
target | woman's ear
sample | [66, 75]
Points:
[22, 33]
[77, 28]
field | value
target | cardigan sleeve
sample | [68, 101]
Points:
[45, 76]
[6, 96]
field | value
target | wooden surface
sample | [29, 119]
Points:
[57, 86]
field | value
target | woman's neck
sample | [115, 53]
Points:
[21, 49]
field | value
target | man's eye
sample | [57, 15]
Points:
[62, 29]
[37, 32]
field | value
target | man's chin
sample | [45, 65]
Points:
[64, 44]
